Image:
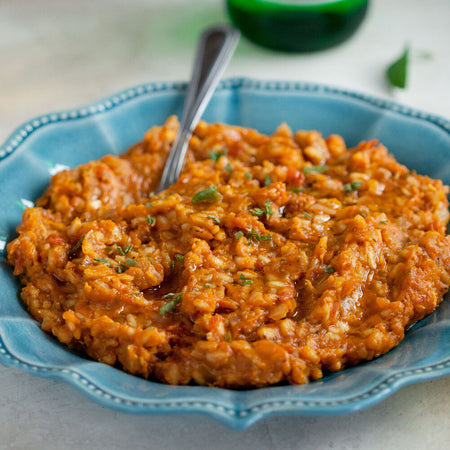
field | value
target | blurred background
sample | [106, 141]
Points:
[61, 54]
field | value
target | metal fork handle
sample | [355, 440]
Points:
[214, 51]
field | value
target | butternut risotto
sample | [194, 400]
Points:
[272, 259]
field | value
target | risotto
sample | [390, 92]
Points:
[274, 258]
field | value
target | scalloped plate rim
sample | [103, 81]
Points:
[237, 418]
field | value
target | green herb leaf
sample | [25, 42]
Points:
[315, 169]
[119, 249]
[172, 263]
[149, 204]
[207, 195]
[268, 211]
[295, 189]
[228, 168]
[216, 155]
[267, 180]
[122, 268]
[214, 219]
[268, 207]
[253, 234]
[74, 249]
[130, 262]
[397, 72]
[383, 222]
[243, 280]
[151, 220]
[307, 215]
[259, 237]
[257, 212]
[170, 306]
[329, 269]
[353, 186]
[103, 261]
[248, 175]
[179, 257]
[238, 235]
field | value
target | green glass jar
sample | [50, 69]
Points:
[297, 25]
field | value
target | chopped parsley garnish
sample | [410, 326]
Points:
[238, 235]
[74, 249]
[295, 189]
[172, 263]
[103, 261]
[383, 222]
[353, 186]
[228, 168]
[267, 180]
[170, 305]
[248, 175]
[315, 169]
[268, 208]
[149, 204]
[257, 211]
[207, 195]
[151, 220]
[329, 269]
[268, 211]
[119, 249]
[122, 268]
[130, 262]
[253, 234]
[215, 219]
[307, 215]
[216, 155]
[179, 257]
[243, 280]
[259, 237]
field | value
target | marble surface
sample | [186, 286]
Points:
[60, 54]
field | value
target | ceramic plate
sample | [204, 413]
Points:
[52, 142]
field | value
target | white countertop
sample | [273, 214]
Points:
[62, 54]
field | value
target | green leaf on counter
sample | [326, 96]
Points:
[397, 72]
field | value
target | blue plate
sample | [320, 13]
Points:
[48, 143]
